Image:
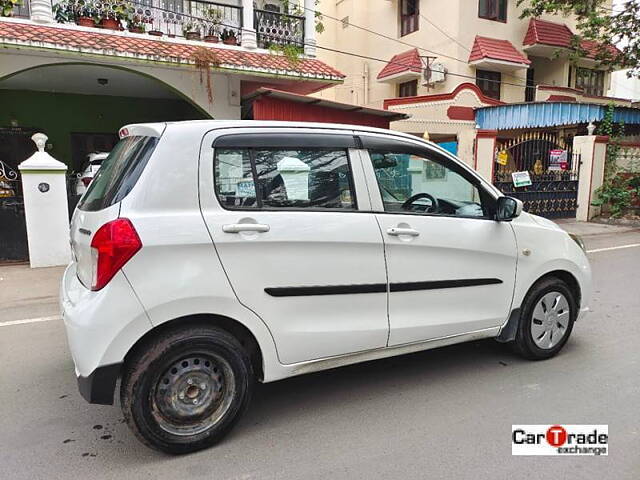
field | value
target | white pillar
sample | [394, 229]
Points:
[309, 28]
[249, 39]
[593, 152]
[41, 11]
[45, 207]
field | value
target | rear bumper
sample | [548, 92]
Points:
[101, 328]
[99, 386]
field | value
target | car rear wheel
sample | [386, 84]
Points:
[184, 390]
[547, 316]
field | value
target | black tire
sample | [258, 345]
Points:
[150, 388]
[524, 343]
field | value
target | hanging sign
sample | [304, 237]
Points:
[502, 157]
[558, 160]
[521, 179]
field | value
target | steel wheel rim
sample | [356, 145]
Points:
[550, 320]
[193, 394]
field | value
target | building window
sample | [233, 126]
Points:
[591, 81]
[409, 15]
[408, 89]
[493, 10]
[489, 83]
[530, 90]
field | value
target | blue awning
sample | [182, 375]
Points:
[549, 114]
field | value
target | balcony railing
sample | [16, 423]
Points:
[192, 19]
[21, 11]
[278, 29]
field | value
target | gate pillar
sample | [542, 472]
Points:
[45, 207]
[593, 152]
[485, 153]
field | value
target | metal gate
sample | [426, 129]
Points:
[553, 169]
[13, 229]
[15, 146]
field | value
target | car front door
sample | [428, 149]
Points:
[290, 219]
[451, 267]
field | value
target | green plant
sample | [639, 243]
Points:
[70, 10]
[113, 9]
[191, 26]
[615, 191]
[291, 52]
[134, 20]
[213, 18]
[294, 8]
[7, 6]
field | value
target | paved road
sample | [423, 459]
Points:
[440, 414]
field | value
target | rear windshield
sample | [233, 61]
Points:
[119, 173]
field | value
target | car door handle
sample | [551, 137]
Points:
[396, 231]
[245, 227]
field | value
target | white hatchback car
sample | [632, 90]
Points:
[210, 254]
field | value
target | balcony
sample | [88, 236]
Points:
[274, 28]
[189, 19]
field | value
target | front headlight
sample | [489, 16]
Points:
[578, 240]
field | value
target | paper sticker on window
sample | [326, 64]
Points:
[246, 189]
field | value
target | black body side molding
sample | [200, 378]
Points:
[377, 287]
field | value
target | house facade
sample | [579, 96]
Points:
[78, 70]
[155, 61]
[438, 61]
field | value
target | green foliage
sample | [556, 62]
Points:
[291, 52]
[596, 22]
[67, 11]
[616, 191]
[7, 6]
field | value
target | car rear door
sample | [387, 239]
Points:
[289, 215]
[451, 266]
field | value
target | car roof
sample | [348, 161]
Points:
[203, 126]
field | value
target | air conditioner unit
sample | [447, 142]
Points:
[434, 73]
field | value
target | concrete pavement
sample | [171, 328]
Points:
[443, 413]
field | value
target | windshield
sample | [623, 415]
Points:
[118, 173]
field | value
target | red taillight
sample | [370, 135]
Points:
[86, 181]
[112, 246]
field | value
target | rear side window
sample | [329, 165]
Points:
[118, 173]
[272, 178]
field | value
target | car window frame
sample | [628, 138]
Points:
[400, 147]
[254, 175]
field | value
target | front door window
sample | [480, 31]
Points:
[415, 184]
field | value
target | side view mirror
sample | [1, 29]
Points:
[508, 208]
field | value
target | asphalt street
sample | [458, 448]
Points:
[443, 413]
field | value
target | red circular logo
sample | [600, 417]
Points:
[556, 436]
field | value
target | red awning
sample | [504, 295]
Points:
[558, 35]
[491, 50]
[270, 104]
[403, 66]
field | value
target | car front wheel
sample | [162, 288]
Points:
[547, 316]
[184, 390]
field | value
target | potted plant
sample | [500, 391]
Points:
[191, 31]
[229, 37]
[7, 6]
[79, 11]
[213, 18]
[110, 14]
[135, 23]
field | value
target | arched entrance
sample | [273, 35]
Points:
[80, 107]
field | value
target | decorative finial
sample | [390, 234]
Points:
[40, 139]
